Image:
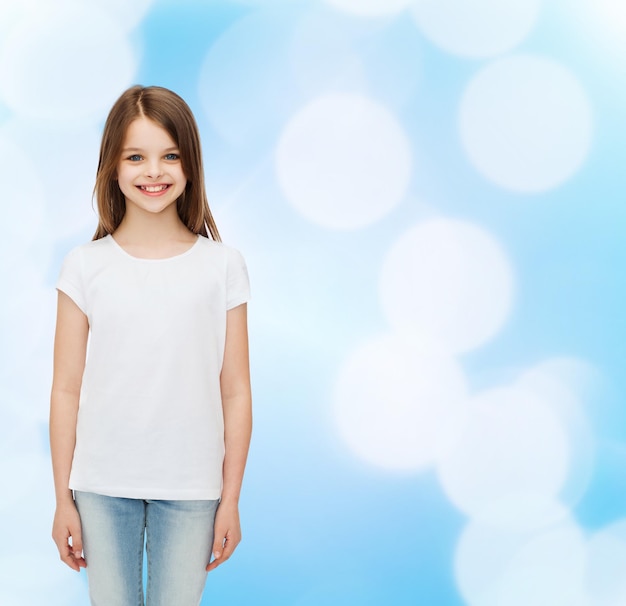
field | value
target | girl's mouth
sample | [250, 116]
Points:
[153, 189]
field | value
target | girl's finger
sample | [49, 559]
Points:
[77, 546]
[218, 546]
[68, 558]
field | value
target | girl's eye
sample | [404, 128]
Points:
[172, 156]
[134, 158]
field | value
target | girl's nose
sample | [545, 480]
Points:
[154, 170]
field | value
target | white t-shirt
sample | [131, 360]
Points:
[150, 421]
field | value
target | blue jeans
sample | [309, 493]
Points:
[178, 539]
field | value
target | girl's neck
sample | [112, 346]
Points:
[150, 232]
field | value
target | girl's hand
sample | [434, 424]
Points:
[227, 534]
[66, 525]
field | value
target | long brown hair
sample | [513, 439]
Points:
[170, 112]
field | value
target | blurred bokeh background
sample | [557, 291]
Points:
[430, 198]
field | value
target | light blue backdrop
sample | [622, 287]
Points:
[430, 198]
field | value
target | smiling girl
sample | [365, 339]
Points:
[150, 425]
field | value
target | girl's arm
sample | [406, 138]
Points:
[70, 346]
[237, 406]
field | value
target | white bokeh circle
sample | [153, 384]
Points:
[65, 63]
[499, 567]
[65, 159]
[21, 439]
[548, 569]
[27, 320]
[370, 8]
[27, 317]
[343, 161]
[476, 28]
[26, 385]
[127, 15]
[611, 15]
[331, 62]
[245, 82]
[513, 448]
[605, 583]
[23, 208]
[526, 123]
[355, 56]
[23, 471]
[398, 406]
[447, 280]
[564, 384]
[11, 14]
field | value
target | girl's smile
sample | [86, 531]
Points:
[154, 190]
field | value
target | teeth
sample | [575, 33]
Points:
[153, 188]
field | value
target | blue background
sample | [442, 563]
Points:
[329, 517]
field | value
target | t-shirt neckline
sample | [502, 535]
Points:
[144, 259]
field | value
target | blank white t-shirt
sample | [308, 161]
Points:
[150, 421]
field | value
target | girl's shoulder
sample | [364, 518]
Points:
[219, 248]
[89, 249]
[92, 245]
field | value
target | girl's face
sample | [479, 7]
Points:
[150, 173]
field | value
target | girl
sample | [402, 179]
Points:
[149, 432]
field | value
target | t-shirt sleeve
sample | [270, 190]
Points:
[70, 279]
[237, 281]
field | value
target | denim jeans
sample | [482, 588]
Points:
[178, 540]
